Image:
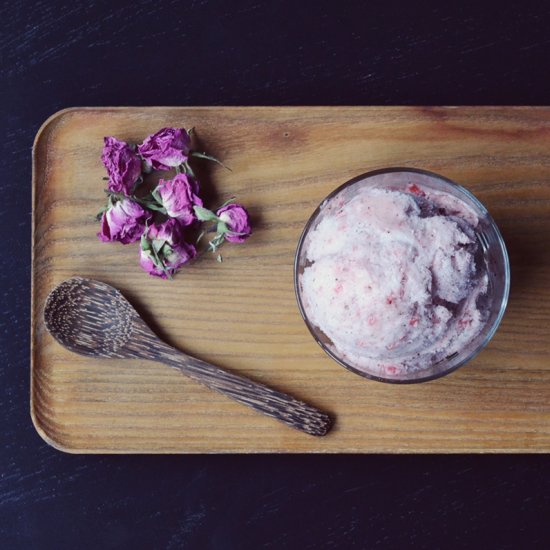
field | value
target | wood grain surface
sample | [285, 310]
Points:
[242, 314]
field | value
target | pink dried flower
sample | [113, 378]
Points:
[124, 221]
[166, 149]
[178, 197]
[122, 163]
[163, 249]
[237, 220]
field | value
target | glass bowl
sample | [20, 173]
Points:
[492, 247]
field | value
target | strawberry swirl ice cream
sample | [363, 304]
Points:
[394, 278]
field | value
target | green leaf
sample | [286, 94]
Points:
[155, 195]
[156, 207]
[114, 197]
[204, 215]
[216, 242]
[222, 228]
[145, 245]
[228, 201]
[198, 155]
[102, 210]
[157, 245]
[201, 235]
[186, 168]
[219, 258]
[160, 263]
[151, 203]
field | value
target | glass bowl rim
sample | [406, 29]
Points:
[483, 210]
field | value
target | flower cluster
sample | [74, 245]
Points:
[163, 218]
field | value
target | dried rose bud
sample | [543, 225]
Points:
[179, 196]
[237, 221]
[166, 149]
[122, 163]
[124, 221]
[163, 250]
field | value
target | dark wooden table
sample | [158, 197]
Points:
[60, 54]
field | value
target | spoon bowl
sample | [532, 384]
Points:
[90, 317]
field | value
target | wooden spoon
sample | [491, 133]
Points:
[92, 318]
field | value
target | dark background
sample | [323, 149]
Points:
[61, 54]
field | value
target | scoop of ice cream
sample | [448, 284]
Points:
[392, 278]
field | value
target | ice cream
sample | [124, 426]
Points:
[394, 278]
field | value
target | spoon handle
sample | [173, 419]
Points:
[283, 407]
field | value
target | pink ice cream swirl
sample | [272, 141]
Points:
[394, 277]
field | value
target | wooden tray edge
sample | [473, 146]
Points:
[52, 121]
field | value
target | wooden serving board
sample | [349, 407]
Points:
[242, 315]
